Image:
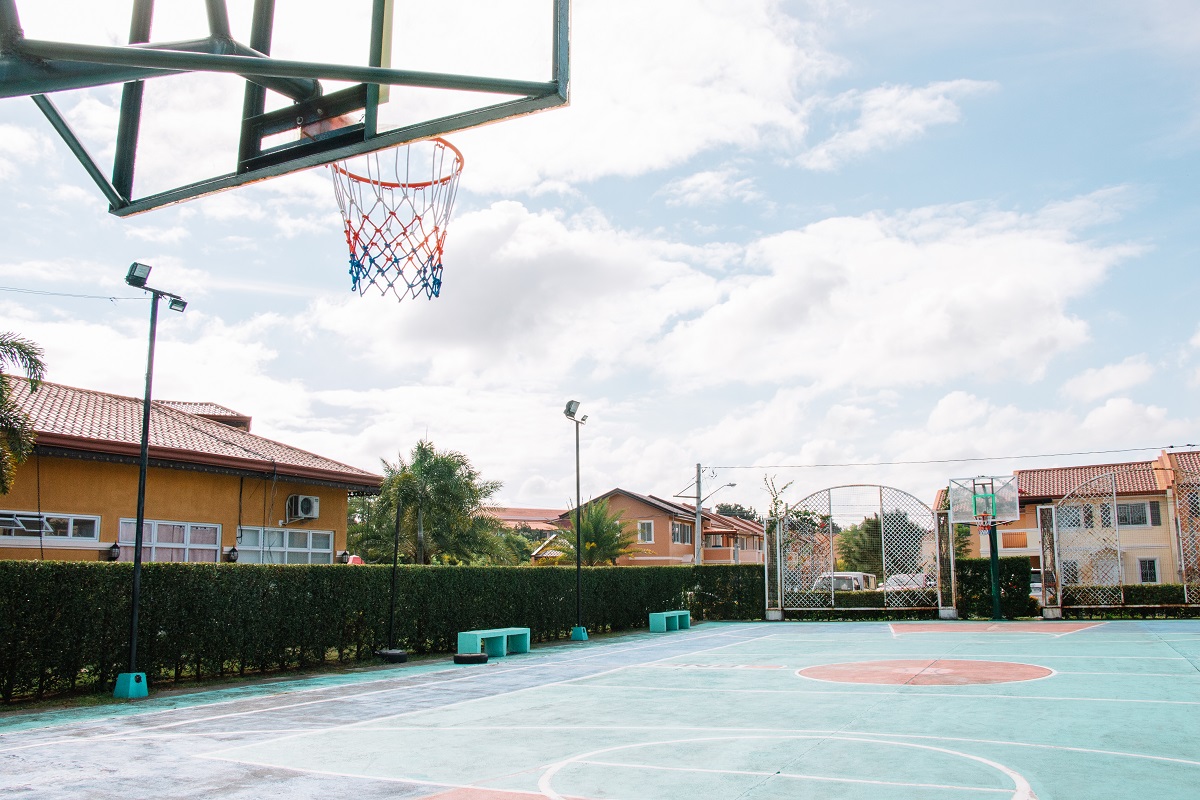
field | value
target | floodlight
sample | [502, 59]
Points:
[572, 407]
[138, 274]
[177, 304]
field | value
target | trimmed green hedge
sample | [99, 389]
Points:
[973, 579]
[1142, 601]
[65, 625]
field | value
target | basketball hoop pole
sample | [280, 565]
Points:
[994, 562]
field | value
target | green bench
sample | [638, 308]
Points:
[495, 642]
[663, 621]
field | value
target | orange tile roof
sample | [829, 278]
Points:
[941, 501]
[1187, 461]
[82, 419]
[204, 409]
[539, 519]
[1136, 477]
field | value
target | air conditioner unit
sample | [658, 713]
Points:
[303, 506]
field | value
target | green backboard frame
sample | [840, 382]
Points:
[37, 68]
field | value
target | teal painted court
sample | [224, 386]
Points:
[719, 710]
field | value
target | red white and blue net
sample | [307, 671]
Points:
[396, 206]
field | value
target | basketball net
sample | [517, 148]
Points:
[396, 205]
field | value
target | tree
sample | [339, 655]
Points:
[738, 510]
[603, 534]
[441, 499]
[859, 548]
[16, 429]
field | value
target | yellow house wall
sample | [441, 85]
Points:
[1152, 541]
[109, 491]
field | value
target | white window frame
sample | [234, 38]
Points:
[1157, 572]
[151, 545]
[645, 526]
[27, 523]
[254, 547]
[1145, 510]
[681, 532]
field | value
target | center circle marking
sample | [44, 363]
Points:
[926, 672]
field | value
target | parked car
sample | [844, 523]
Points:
[845, 582]
[1035, 583]
[901, 581]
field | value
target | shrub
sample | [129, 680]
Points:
[65, 625]
[973, 579]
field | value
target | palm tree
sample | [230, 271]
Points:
[441, 498]
[16, 430]
[603, 534]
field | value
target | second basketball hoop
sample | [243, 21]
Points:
[396, 206]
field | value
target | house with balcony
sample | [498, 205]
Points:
[214, 490]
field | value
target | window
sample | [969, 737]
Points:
[63, 526]
[1148, 570]
[646, 531]
[1013, 540]
[1133, 514]
[279, 546]
[681, 532]
[172, 541]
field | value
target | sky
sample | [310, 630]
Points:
[763, 237]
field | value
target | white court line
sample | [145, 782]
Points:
[775, 731]
[966, 656]
[914, 692]
[538, 687]
[470, 675]
[1022, 789]
[792, 775]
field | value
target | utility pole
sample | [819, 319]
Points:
[699, 519]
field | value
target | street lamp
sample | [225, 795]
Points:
[578, 633]
[132, 684]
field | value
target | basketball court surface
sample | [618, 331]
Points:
[723, 710]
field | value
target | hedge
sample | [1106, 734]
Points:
[973, 579]
[64, 626]
[1141, 601]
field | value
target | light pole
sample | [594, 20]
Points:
[578, 633]
[132, 684]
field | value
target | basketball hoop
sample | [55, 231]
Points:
[396, 206]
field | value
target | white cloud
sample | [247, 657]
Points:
[21, 147]
[1195, 340]
[171, 235]
[711, 188]
[888, 116]
[1097, 382]
[886, 301]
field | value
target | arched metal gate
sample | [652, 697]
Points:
[1094, 540]
[858, 546]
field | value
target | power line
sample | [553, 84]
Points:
[67, 294]
[953, 460]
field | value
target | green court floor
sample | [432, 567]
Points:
[723, 710]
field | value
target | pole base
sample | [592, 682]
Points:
[579, 634]
[130, 686]
[774, 615]
[947, 613]
[1052, 612]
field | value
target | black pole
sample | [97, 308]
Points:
[578, 541]
[995, 566]
[392, 596]
[141, 496]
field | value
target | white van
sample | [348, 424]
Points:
[844, 582]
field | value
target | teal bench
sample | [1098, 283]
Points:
[495, 642]
[663, 621]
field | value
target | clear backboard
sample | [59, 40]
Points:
[993, 496]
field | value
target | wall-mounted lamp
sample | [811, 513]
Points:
[114, 552]
[344, 556]
[231, 555]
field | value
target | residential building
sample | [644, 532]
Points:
[666, 532]
[212, 487]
